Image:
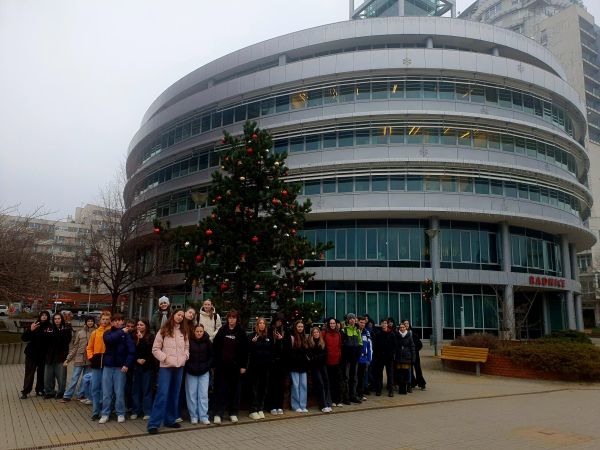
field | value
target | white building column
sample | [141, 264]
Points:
[566, 263]
[579, 312]
[508, 313]
[434, 252]
[546, 313]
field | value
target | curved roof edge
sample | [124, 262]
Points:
[354, 29]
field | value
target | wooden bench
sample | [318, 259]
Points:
[469, 354]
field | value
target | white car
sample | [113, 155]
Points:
[3, 310]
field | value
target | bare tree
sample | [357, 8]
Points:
[112, 256]
[24, 270]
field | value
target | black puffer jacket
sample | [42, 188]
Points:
[237, 344]
[297, 358]
[143, 350]
[384, 345]
[201, 356]
[317, 355]
[405, 349]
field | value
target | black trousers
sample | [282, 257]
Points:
[362, 374]
[334, 375]
[227, 391]
[417, 377]
[276, 386]
[350, 372]
[378, 367]
[31, 367]
[320, 386]
[259, 380]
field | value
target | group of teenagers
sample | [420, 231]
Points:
[164, 369]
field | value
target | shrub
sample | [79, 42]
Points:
[566, 336]
[573, 361]
[483, 340]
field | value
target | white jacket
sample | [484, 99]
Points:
[211, 322]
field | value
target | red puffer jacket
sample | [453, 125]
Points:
[333, 344]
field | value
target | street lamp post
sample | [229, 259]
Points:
[435, 302]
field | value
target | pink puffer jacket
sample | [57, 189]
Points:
[171, 351]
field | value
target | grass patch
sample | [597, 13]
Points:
[9, 338]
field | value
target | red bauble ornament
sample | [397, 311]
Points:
[199, 258]
[257, 286]
[284, 192]
[223, 141]
[254, 136]
[250, 151]
[255, 239]
[275, 201]
[218, 198]
[298, 289]
[213, 216]
[300, 262]
[293, 231]
[273, 294]
[224, 286]
[208, 232]
[156, 230]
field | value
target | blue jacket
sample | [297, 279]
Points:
[366, 354]
[120, 348]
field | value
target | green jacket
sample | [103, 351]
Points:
[351, 337]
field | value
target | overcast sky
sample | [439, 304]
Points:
[77, 76]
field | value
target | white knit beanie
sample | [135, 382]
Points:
[162, 300]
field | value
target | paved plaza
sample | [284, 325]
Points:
[457, 410]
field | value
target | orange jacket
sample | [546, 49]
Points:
[96, 343]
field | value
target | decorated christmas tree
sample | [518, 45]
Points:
[248, 253]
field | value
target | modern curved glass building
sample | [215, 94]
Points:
[429, 146]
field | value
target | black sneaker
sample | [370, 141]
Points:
[23, 396]
[95, 416]
[173, 425]
[356, 400]
[378, 393]
[346, 402]
[153, 430]
[390, 394]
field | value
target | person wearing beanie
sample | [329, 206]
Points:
[162, 315]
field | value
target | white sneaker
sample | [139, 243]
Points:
[178, 420]
[87, 401]
[233, 419]
[324, 410]
[217, 420]
[261, 415]
[274, 412]
[305, 410]
[299, 410]
[133, 417]
[329, 409]
[103, 419]
[146, 418]
[120, 419]
[280, 411]
[254, 416]
[194, 421]
[339, 405]
[205, 422]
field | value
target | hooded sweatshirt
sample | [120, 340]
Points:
[96, 348]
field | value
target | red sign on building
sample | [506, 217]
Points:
[546, 281]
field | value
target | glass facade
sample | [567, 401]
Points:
[435, 183]
[436, 89]
[535, 252]
[371, 243]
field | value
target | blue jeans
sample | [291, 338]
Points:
[113, 381]
[141, 391]
[78, 371]
[96, 391]
[298, 390]
[166, 403]
[196, 394]
[86, 385]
